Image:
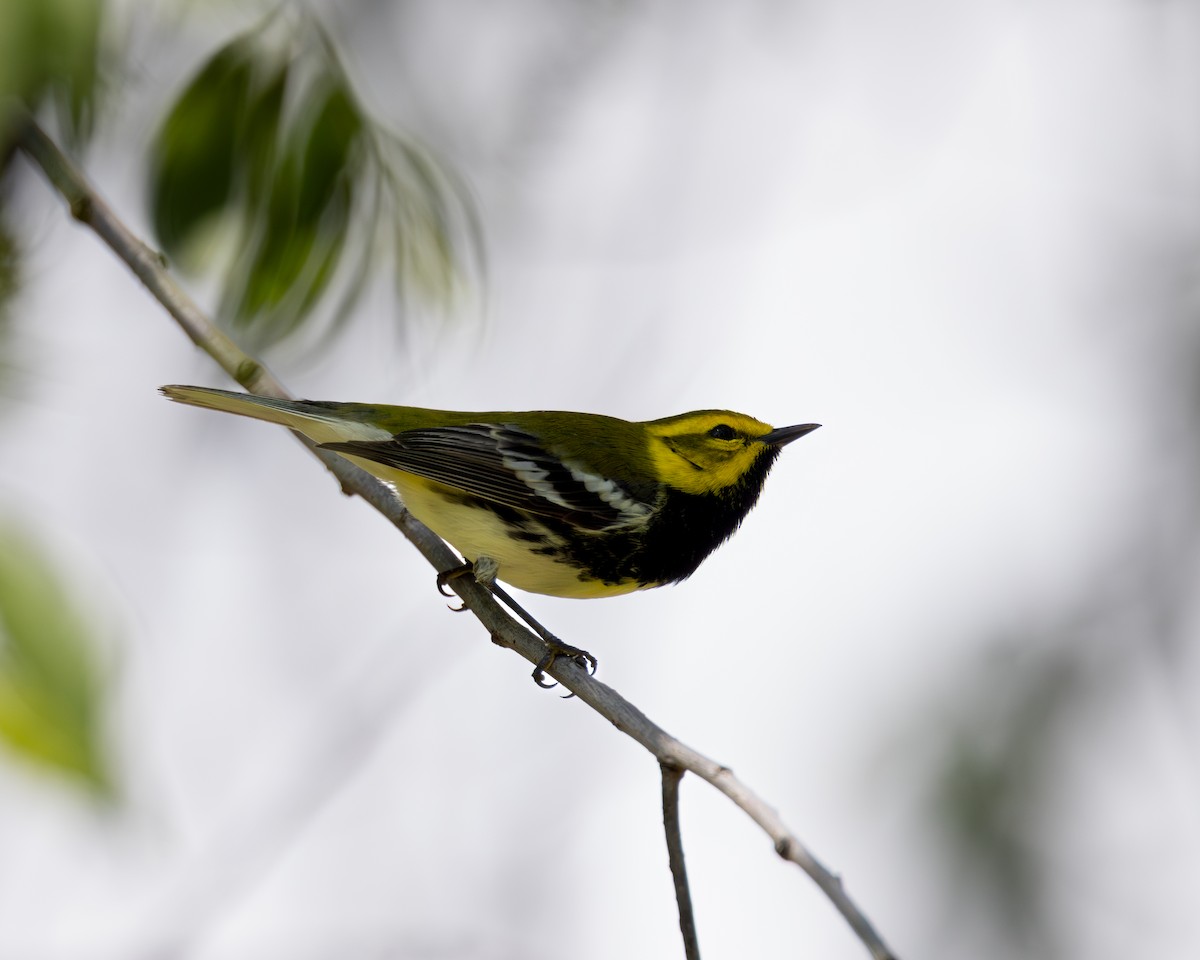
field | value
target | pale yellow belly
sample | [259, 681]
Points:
[480, 533]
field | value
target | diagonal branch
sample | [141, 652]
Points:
[87, 207]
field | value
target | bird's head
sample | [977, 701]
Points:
[708, 451]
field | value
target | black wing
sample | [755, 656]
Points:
[505, 465]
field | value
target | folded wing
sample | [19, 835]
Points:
[506, 465]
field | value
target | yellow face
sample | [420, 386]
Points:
[707, 451]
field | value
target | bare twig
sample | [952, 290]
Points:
[683, 896]
[87, 207]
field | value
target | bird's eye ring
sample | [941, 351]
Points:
[722, 431]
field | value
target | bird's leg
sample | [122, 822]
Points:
[484, 571]
[556, 647]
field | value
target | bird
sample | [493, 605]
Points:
[553, 502]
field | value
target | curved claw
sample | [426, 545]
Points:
[445, 576]
[539, 672]
[559, 649]
[539, 677]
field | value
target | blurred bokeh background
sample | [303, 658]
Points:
[955, 645]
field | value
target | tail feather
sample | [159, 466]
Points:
[322, 422]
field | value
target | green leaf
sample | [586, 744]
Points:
[276, 258]
[72, 29]
[51, 49]
[271, 135]
[260, 138]
[328, 154]
[304, 230]
[50, 691]
[196, 153]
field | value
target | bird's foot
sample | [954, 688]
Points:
[484, 571]
[556, 649]
[445, 576]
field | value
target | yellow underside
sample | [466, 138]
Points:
[479, 533]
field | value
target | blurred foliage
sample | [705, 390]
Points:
[50, 691]
[269, 150]
[49, 49]
[50, 694]
[1013, 744]
[10, 279]
[997, 766]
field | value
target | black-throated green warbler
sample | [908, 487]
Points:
[567, 504]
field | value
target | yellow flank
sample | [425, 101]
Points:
[688, 457]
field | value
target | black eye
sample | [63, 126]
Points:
[722, 431]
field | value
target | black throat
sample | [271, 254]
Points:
[691, 526]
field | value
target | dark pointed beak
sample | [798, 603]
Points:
[782, 435]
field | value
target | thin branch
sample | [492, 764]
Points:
[683, 896]
[87, 207]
